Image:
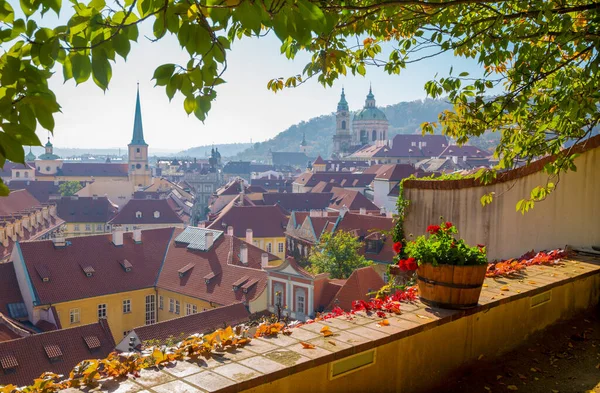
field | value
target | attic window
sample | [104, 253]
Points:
[43, 272]
[185, 269]
[92, 342]
[53, 352]
[88, 270]
[373, 246]
[138, 214]
[248, 285]
[209, 277]
[9, 363]
[126, 265]
[156, 214]
[238, 283]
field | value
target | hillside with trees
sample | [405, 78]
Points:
[404, 118]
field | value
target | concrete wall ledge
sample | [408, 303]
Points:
[415, 352]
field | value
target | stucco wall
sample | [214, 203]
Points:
[570, 215]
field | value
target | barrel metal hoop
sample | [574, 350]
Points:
[449, 284]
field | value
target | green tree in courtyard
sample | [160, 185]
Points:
[337, 255]
[69, 188]
[541, 54]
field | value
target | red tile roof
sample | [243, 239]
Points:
[344, 179]
[67, 280]
[9, 287]
[464, 151]
[353, 200]
[200, 323]
[85, 209]
[396, 172]
[298, 201]
[323, 187]
[31, 356]
[265, 221]
[319, 161]
[6, 170]
[6, 334]
[148, 208]
[330, 289]
[365, 225]
[41, 190]
[17, 201]
[223, 260]
[93, 169]
[357, 286]
[232, 188]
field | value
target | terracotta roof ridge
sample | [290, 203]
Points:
[53, 331]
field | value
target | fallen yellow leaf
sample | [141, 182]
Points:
[504, 288]
[487, 388]
[480, 357]
[307, 345]
[326, 332]
[498, 377]
[512, 387]
[383, 322]
[422, 316]
[332, 343]
[485, 285]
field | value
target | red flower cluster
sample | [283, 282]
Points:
[448, 225]
[397, 247]
[408, 264]
[433, 229]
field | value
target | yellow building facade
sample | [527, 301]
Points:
[124, 311]
[272, 245]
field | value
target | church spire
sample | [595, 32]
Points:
[303, 143]
[138, 130]
[370, 101]
[343, 104]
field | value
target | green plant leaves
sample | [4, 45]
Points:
[81, 67]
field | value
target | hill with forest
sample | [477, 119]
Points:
[404, 118]
[226, 150]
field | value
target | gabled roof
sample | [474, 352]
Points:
[323, 186]
[41, 190]
[200, 323]
[63, 265]
[357, 286]
[30, 356]
[290, 266]
[221, 264]
[402, 146]
[148, 208]
[234, 187]
[265, 221]
[319, 161]
[464, 151]
[17, 201]
[85, 209]
[370, 226]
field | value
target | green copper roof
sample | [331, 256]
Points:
[138, 130]
[30, 156]
[370, 96]
[343, 104]
[370, 113]
[48, 156]
[48, 144]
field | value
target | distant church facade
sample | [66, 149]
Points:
[369, 126]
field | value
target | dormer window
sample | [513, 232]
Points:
[373, 246]
[413, 144]
[138, 214]
[88, 270]
[53, 352]
[156, 214]
[9, 363]
[92, 342]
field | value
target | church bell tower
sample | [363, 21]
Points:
[139, 171]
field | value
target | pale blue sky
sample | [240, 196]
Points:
[244, 109]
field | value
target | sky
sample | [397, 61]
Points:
[244, 110]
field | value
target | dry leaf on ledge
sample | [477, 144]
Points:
[307, 345]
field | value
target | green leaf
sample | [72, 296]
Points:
[101, 69]
[163, 74]
[11, 148]
[81, 66]
[7, 13]
[189, 104]
[4, 190]
[27, 7]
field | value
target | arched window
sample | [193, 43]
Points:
[18, 174]
[138, 214]
[343, 124]
[374, 135]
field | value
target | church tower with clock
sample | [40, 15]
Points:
[139, 170]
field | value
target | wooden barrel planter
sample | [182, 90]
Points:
[448, 286]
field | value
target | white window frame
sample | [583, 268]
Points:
[88, 227]
[177, 307]
[171, 305]
[127, 306]
[161, 302]
[281, 247]
[74, 315]
[150, 309]
[102, 310]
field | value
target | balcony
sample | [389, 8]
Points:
[418, 350]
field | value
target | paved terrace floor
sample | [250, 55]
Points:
[418, 349]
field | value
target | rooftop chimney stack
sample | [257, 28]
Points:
[230, 230]
[137, 235]
[117, 238]
[209, 239]
[264, 260]
[363, 211]
[249, 235]
[244, 254]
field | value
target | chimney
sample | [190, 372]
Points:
[209, 238]
[137, 236]
[249, 235]
[264, 260]
[230, 231]
[382, 211]
[117, 238]
[244, 254]
[363, 211]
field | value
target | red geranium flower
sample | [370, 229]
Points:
[402, 265]
[449, 225]
[411, 264]
[397, 247]
[481, 245]
[433, 229]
